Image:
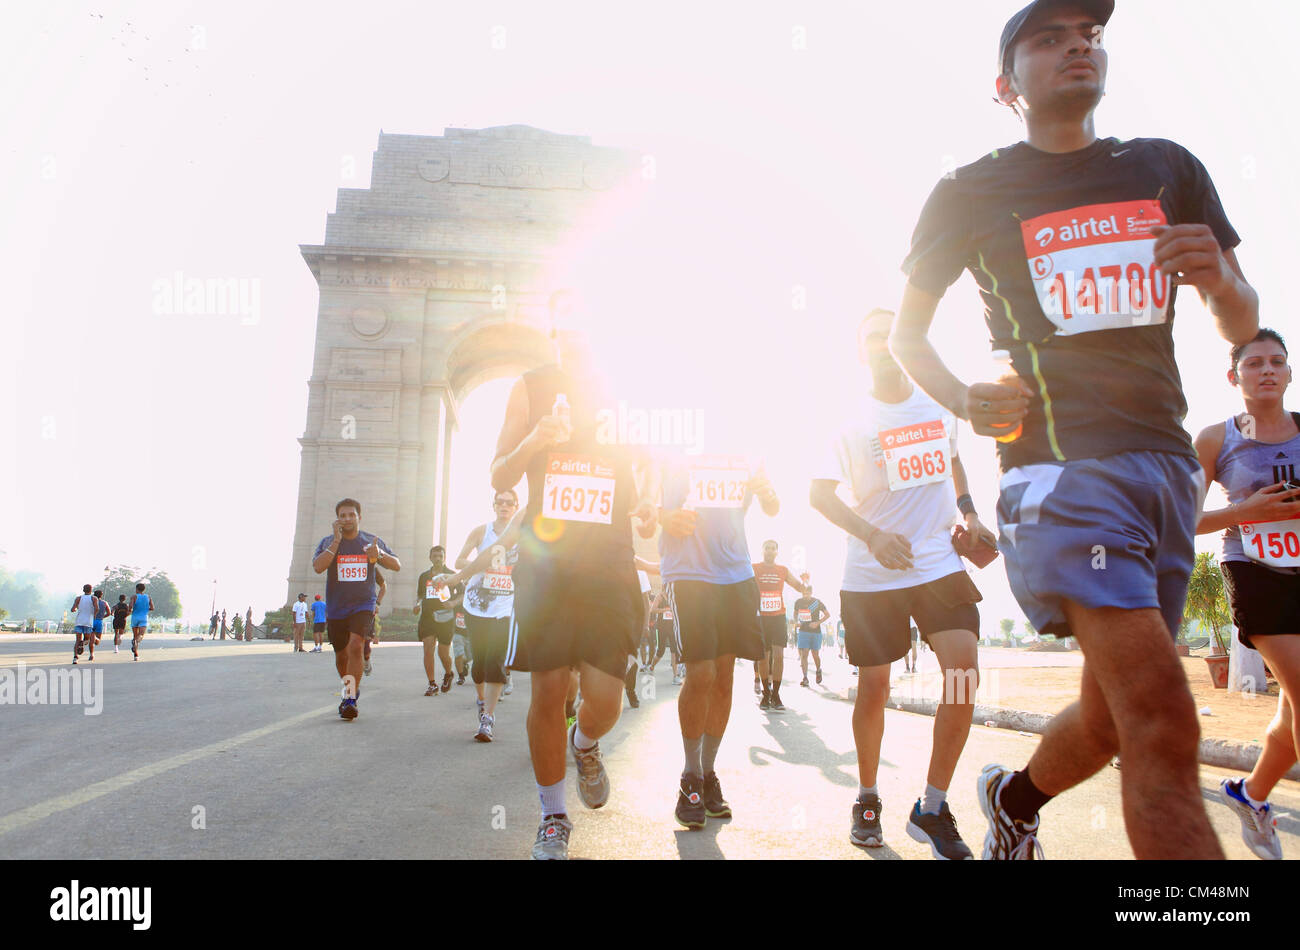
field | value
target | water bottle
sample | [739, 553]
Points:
[1007, 376]
[565, 413]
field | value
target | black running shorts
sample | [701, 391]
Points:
[443, 632]
[568, 614]
[341, 630]
[717, 620]
[1264, 602]
[488, 637]
[878, 625]
[319, 627]
[774, 630]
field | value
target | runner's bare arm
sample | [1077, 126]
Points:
[471, 544]
[517, 444]
[650, 567]
[508, 539]
[1190, 254]
[789, 573]
[973, 523]
[893, 551]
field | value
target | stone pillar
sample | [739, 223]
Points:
[445, 505]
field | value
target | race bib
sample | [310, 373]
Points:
[771, 604]
[668, 615]
[805, 615]
[578, 488]
[500, 581]
[1094, 267]
[432, 593]
[460, 621]
[352, 567]
[1273, 543]
[916, 455]
[718, 483]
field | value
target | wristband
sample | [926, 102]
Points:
[965, 505]
[874, 531]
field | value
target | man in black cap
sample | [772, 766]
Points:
[1078, 245]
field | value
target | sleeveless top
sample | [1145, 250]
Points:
[491, 593]
[1243, 467]
[85, 611]
[587, 468]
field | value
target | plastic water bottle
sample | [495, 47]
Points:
[1007, 376]
[562, 409]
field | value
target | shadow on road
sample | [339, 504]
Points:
[800, 745]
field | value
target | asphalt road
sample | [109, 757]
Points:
[231, 750]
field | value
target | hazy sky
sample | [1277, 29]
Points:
[794, 145]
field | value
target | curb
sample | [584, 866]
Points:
[1221, 753]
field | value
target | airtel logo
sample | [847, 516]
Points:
[1044, 237]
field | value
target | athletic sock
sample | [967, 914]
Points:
[1021, 798]
[694, 756]
[1241, 784]
[864, 793]
[569, 710]
[709, 751]
[581, 741]
[552, 798]
[933, 799]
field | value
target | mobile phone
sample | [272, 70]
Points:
[1291, 485]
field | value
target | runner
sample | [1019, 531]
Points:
[85, 608]
[704, 561]
[810, 613]
[772, 578]
[643, 569]
[488, 600]
[839, 635]
[1254, 457]
[460, 648]
[299, 622]
[1078, 245]
[101, 611]
[141, 605]
[661, 617]
[318, 623]
[577, 603]
[350, 555]
[899, 458]
[437, 624]
[121, 610]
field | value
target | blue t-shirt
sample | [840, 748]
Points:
[318, 611]
[717, 552]
[357, 590]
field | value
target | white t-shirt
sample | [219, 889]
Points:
[299, 612]
[897, 461]
[644, 578]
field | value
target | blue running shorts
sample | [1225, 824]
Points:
[809, 640]
[1109, 532]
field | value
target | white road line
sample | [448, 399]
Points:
[38, 812]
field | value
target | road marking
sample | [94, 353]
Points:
[42, 810]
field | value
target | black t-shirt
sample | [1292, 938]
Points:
[121, 611]
[1060, 242]
[429, 607]
[816, 612]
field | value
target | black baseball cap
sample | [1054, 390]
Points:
[1101, 9]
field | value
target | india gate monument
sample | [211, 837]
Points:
[433, 280]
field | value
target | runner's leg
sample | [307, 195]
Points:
[869, 720]
[956, 650]
[1282, 740]
[428, 644]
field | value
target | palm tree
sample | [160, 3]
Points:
[1206, 601]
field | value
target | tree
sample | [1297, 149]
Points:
[1007, 625]
[1030, 632]
[3, 613]
[1206, 601]
[122, 580]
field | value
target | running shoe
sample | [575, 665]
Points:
[446, 683]
[819, 676]
[552, 842]
[766, 701]
[432, 690]
[677, 680]
[690, 803]
[715, 806]
[1258, 826]
[593, 780]
[865, 831]
[510, 685]
[348, 709]
[777, 705]
[368, 669]
[939, 832]
[485, 723]
[460, 680]
[804, 681]
[115, 649]
[1007, 839]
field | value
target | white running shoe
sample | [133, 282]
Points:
[510, 685]
[1007, 839]
[368, 668]
[1258, 826]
